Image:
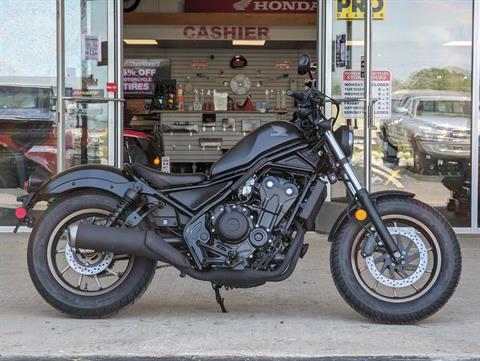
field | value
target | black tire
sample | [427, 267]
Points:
[410, 310]
[420, 161]
[129, 287]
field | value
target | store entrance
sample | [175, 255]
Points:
[89, 69]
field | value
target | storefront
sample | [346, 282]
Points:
[197, 76]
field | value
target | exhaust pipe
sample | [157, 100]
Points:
[126, 241]
[148, 244]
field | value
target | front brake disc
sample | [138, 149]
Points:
[421, 267]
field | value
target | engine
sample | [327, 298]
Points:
[244, 234]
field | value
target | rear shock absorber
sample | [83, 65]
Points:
[130, 198]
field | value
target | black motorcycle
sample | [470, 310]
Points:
[393, 258]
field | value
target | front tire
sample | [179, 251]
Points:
[83, 283]
[420, 161]
[386, 292]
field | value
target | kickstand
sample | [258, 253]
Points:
[219, 298]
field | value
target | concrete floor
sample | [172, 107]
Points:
[303, 316]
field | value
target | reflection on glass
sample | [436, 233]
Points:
[86, 133]
[424, 146]
[27, 80]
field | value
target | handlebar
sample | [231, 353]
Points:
[299, 96]
[311, 102]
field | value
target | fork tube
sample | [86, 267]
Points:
[363, 197]
[355, 185]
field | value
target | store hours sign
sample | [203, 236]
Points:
[353, 87]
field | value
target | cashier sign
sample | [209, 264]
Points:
[355, 9]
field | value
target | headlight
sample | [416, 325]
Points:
[344, 137]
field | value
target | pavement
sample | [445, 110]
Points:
[178, 318]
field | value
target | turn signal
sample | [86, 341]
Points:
[360, 214]
[156, 161]
[20, 213]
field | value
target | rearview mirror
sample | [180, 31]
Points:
[304, 64]
[401, 110]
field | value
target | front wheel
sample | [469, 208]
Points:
[82, 282]
[420, 160]
[403, 292]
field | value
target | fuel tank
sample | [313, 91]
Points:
[266, 139]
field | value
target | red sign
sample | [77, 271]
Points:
[199, 64]
[112, 87]
[226, 32]
[377, 75]
[283, 65]
[251, 6]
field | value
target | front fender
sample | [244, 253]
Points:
[374, 197]
[93, 176]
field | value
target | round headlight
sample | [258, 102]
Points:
[344, 137]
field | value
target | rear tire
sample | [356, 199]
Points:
[425, 300]
[57, 292]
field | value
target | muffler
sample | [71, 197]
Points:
[126, 241]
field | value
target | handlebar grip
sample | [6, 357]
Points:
[299, 96]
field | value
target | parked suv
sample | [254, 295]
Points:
[434, 124]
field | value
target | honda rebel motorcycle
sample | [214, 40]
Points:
[95, 250]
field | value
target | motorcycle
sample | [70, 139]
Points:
[94, 251]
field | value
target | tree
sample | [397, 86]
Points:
[439, 79]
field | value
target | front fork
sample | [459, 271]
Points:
[361, 194]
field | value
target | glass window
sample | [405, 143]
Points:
[424, 147]
[27, 80]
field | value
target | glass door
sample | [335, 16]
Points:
[90, 88]
[423, 144]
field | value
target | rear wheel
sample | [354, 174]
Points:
[406, 291]
[80, 282]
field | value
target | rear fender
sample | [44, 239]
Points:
[94, 176]
[345, 215]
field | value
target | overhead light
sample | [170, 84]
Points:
[248, 42]
[458, 43]
[140, 41]
[355, 43]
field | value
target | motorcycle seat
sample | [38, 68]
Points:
[162, 179]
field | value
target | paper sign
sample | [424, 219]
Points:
[340, 50]
[139, 75]
[353, 86]
[91, 47]
[166, 164]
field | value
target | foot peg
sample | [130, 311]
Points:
[219, 298]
